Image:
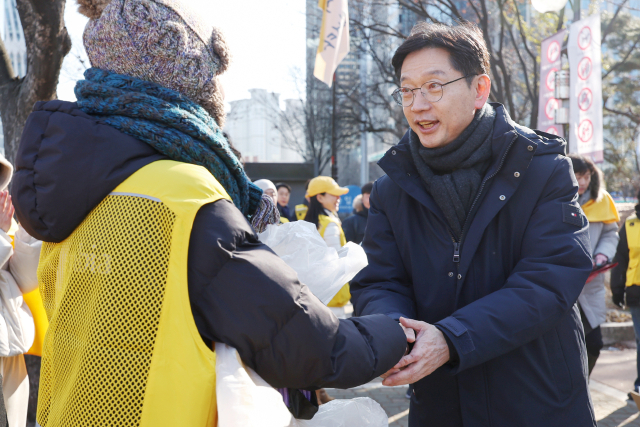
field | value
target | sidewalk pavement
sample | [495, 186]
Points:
[612, 379]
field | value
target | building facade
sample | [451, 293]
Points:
[13, 39]
[262, 131]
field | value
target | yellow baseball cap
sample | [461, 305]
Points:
[325, 184]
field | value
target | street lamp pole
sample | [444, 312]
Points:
[334, 149]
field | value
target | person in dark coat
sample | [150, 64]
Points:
[73, 155]
[355, 225]
[475, 240]
[625, 278]
[284, 193]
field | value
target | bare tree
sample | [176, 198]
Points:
[47, 44]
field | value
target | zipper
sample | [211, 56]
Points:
[458, 244]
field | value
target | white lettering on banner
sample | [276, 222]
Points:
[550, 63]
[585, 102]
[334, 39]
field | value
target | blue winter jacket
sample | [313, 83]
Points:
[505, 296]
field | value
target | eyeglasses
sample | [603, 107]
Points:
[432, 92]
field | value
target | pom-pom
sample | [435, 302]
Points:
[92, 9]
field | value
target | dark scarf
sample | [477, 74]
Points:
[176, 127]
[452, 174]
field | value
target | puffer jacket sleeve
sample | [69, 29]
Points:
[24, 262]
[242, 294]
[544, 285]
[384, 285]
[608, 241]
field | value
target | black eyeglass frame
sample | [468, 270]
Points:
[442, 85]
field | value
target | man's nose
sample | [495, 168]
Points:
[420, 103]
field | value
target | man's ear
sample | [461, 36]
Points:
[483, 89]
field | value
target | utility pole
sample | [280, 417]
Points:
[334, 149]
[364, 161]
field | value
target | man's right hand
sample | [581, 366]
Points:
[411, 338]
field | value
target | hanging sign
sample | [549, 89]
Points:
[550, 63]
[585, 98]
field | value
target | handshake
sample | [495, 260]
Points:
[429, 352]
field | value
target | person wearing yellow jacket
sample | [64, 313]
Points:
[324, 200]
[603, 218]
[625, 277]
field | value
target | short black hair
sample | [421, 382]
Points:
[366, 189]
[282, 184]
[465, 43]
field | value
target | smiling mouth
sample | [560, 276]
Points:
[428, 124]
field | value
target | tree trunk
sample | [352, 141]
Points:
[47, 44]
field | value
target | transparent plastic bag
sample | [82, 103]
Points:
[358, 412]
[245, 399]
[323, 269]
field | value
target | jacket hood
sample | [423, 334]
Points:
[67, 162]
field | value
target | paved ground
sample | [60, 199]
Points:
[616, 368]
[610, 404]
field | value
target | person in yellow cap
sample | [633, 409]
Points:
[603, 218]
[324, 200]
[323, 193]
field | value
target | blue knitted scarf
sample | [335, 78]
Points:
[172, 124]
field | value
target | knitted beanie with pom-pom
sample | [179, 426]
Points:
[161, 41]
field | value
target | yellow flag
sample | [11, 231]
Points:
[334, 39]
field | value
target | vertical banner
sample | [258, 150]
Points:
[585, 102]
[334, 39]
[550, 63]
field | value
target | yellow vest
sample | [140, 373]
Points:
[344, 295]
[632, 227]
[301, 211]
[122, 347]
[602, 210]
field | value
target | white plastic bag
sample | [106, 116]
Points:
[360, 412]
[323, 269]
[245, 399]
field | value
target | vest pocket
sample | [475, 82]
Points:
[558, 364]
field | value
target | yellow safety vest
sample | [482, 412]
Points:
[602, 210]
[301, 211]
[122, 346]
[344, 295]
[632, 228]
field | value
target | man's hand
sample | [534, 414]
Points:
[411, 337]
[429, 353]
[6, 211]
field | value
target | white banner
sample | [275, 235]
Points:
[550, 62]
[585, 61]
[334, 39]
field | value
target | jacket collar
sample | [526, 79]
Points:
[513, 148]
[398, 164]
